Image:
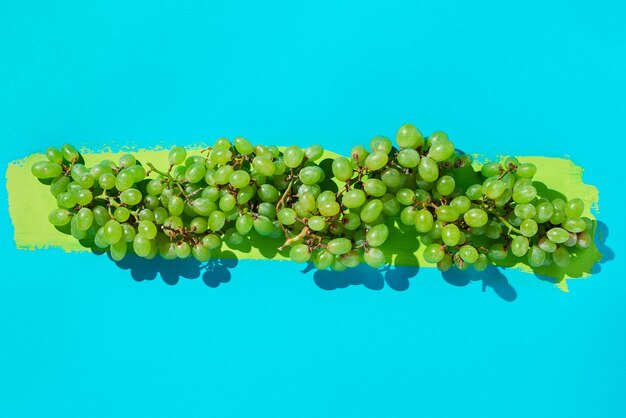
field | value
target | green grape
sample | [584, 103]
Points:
[107, 181]
[222, 174]
[525, 211]
[69, 153]
[377, 235]
[337, 265]
[584, 240]
[408, 216]
[300, 253]
[524, 194]
[329, 209]
[325, 196]
[263, 225]
[239, 179]
[216, 220]
[293, 156]
[307, 200]
[59, 217]
[434, 253]
[376, 160]
[54, 155]
[112, 231]
[176, 205]
[121, 214]
[46, 170]
[494, 189]
[267, 209]
[381, 143]
[100, 215]
[571, 240]
[428, 169]
[227, 202]
[561, 257]
[323, 260]
[504, 198]
[358, 154]
[233, 238]
[544, 210]
[436, 137]
[441, 150]
[546, 245]
[526, 170]
[558, 235]
[84, 218]
[124, 180]
[338, 246]
[519, 245]
[99, 240]
[316, 223]
[391, 206]
[243, 146]
[408, 136]
[167, 250]
[374, 187]
[481, 263]
[371, 210]
[498, 252]
[468, 253]
[476, 217]
[127, 160]
[146, 215]
[314, 152]
[264, 165]
[406, 197]
[445, 185]
[83, 197]
[245, 194]
[353, 198]
[509, 180]
[351, 221]
[198, 225]
[201, 253]
[350, 259]
[268, 193]
[66, 200]
[557, 217]
[203, 206]
[490, 170]
[474, 192]
[220, 156]
[211, 241]
[131, 197]
[447, 214]
[311, 175]
[177, 155]
[342, 168]
[493, 230]
[450, 235]
[423, 221]
[85, 180]
[160, 215]
[118, 250]
[408, 158]
[460, 204]
[59, 185]
[391, 177]
[536, 256]
[445, 263]
[147, 229]
[195, 173]
[374, 257]
[287, 216]
[182, 250]
[574, 224]
[574, 208]
[529, 227]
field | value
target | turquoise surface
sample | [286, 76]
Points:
[83, 337]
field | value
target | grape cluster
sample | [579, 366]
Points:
[335, 213]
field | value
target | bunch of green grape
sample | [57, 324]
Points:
[336, 214]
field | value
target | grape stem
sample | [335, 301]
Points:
[298, 237]
[281, 202]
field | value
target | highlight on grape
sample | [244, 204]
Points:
[336, 215]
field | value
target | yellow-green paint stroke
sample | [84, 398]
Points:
[30, 202]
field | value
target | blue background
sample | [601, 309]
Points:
[81, 336]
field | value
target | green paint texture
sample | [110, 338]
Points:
[30, 202]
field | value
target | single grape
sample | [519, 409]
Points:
[177, 155]
[263, 225]
[323, 260]
[460, 204]
[374, 187]
[287, 216]
[474, 192]
[528, 227]
[377, 235]
[494, 189]
[46, 170]
[408, 216]
[561, 257]
[441, 150]
[519, 245]
[201, 253]
[408, 136]
[314, 152]
[468, 253]
[316, 223]
[54, 155]
[342, 168]
[112, 231]
[311, 175]
[558, 235]
[243, 146]
[526, 170]
[524, 194]
[433, 253]
[131, 197]
[338, 246]
[195, 173]
[264, 165]
[490, 170]
[300, 253]
[147, 229]
[428, 169]
[59, 217]
[445, 185]
[374, 257]
[118, 250]
[476, 217]
[353, 198]
[408, 158]
[498, 252]
[371, 210]
[69, 153]
[217, 219]
[376, 160]
[450, 235]
[121, 214]
[423, 221]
